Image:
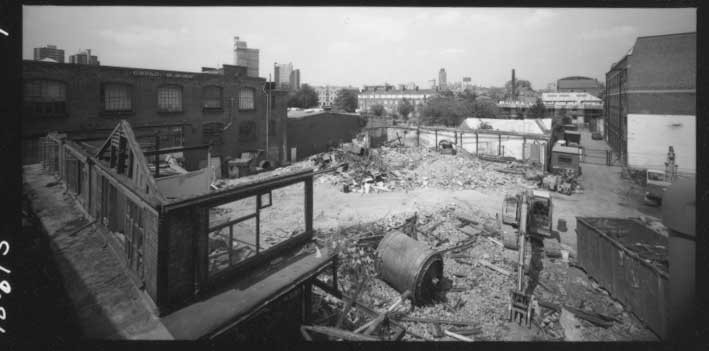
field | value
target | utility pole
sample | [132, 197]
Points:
[268, 110]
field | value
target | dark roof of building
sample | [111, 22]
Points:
[577, 82]
[104, 67]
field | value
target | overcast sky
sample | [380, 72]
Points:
[356, 46]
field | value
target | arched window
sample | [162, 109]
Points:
[212, 98]
[46, 97]
[170, 98]
[117, 97]
[246, 99]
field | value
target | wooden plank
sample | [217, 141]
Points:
[457, 336]
[340, 334]
[435, 321]
[494, 267]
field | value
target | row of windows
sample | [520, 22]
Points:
[49, 97]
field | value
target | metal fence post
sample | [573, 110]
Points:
[499, 143]
[435, 132]
[476, 143]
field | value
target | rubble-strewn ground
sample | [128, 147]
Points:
[392, 183]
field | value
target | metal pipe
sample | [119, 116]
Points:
[522, 234]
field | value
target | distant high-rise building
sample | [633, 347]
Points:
[433, 83]
[442, 80]
[49, 51]
[246, 57]
[282, 75]
[286, 77]
[84, 58]
[295, 79]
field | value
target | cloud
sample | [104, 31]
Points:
[612, 32]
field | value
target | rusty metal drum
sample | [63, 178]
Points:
[408, 264]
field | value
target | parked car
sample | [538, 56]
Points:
[597, 136]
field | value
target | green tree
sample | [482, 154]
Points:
[346, 100]
[405, 108]
[305, 97]
[377, 110]
[522, 86]
[485, 109]
[538, 110]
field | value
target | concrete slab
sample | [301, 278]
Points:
[108, 304]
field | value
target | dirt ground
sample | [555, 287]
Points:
[478, 191]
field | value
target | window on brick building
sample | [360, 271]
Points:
[117, 97]
[46, 97]
[212, 98]
[246, 99]
[170, 98]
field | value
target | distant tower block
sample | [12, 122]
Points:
[249, 58]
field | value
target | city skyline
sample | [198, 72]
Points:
[402, 44]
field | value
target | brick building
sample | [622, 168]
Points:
[49, 51]
[650, 102]
[390, 98]
[222, 107]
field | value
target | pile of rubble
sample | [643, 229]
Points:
[395, 168]
[478, 273]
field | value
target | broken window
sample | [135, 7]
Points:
[232, 234]
[117, 97]
[170, 98]
[282, 219]
[248, 227]
[45, 97]
[212, 98]
[134, 237]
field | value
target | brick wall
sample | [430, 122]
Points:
[84, 106]
[311, 135]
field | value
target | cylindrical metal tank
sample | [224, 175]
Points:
[407, 264]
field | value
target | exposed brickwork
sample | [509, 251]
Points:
[85, 108]
[311, 134]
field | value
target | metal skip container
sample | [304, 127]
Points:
[407, 264]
